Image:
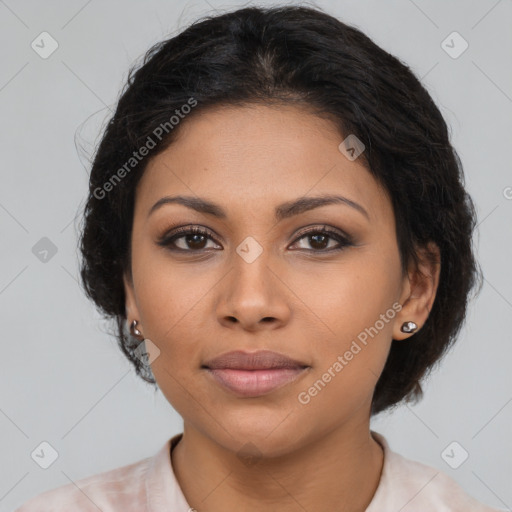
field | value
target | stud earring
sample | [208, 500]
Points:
[409, 327]
[133, 328]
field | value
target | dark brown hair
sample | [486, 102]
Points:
[301, 55]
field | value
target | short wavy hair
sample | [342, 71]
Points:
[303, 56]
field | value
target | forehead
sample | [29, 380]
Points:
[258, 156]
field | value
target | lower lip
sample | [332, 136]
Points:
[252, 383]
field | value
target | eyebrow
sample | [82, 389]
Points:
[283, 211]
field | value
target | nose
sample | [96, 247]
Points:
[253, 297]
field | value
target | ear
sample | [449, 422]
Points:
[131, 309]
[420, 287]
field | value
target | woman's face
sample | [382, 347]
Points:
[258, 281]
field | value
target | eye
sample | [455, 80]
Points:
[318, 238]
[194, 239]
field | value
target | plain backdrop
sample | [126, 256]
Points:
[63, 379]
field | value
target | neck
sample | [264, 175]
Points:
[339, 471]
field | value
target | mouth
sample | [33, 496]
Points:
[253, 374]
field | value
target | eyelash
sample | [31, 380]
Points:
[168, 239]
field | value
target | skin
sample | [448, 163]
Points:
[296, 298]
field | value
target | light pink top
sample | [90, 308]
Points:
[150, 485]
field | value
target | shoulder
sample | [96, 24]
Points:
[119, 489]
[410, 486]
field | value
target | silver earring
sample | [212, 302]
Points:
[409, 327]
[133, 328]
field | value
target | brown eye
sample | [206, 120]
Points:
[192, 239]
[320, 238]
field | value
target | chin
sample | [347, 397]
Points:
[266, 435]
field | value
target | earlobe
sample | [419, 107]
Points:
[421, 288]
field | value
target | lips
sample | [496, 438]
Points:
[253, 374]
[261, 360]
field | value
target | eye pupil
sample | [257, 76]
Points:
[194, 242]
[318, 236]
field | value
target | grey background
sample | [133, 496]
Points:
[63, 379]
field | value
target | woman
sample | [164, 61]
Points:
[277, 222]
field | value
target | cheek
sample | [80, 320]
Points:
[346, 297]
[353, 309]
[169, 293]
[350, 359]
[170, 302]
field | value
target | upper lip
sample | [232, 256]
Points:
[260, 360]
